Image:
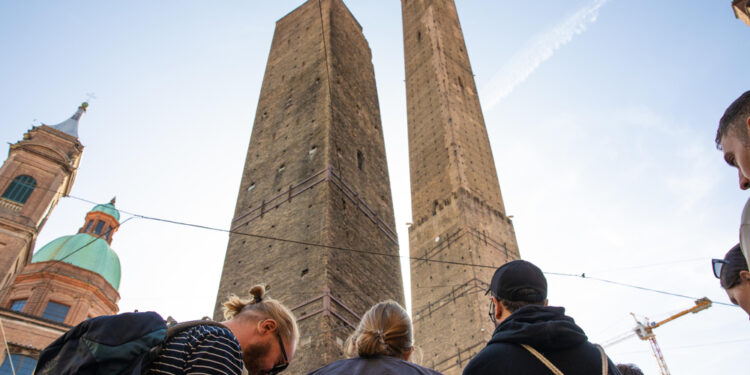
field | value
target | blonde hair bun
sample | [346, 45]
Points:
[258, 292]
[385, 329]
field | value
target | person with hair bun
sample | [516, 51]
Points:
[381, 345]
[259, 336]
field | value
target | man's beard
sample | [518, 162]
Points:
[252, 355]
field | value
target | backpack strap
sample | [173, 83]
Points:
[556, 371]
[544, 360]
[605, 363]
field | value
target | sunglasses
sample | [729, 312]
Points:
[718, 265]
[279, 367]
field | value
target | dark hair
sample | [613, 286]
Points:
[629, 369]
[515, 305]
[734, 263]
[738, 110]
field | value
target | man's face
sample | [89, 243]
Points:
[264, 353]
[740, 293]
[737, 154]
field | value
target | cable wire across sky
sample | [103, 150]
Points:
[205, 227]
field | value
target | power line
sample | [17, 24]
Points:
[651, 265]
[271, 238]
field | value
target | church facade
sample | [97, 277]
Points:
[66, 281]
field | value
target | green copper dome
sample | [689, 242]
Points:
[85, 251]
[108, 209]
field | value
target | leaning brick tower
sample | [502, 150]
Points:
[457, 208]
[316, 173]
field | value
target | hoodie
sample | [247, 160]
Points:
[546, 329]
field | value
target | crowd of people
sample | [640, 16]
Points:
[260, 337]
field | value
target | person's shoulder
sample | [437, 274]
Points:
[493, 358]
[208, 330]
[333, 367]
[413, 367]
[423, 370]
[208, 335]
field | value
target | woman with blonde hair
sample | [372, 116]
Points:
[382, 345]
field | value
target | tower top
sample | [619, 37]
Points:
[70, 126]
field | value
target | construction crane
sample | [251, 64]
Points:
[645, 331]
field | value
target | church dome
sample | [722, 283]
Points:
[85, 251]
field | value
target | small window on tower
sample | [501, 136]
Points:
[360, 159]
[88, 225]
[99, 227]
[18, 304]
[55, 311]
[20, 189]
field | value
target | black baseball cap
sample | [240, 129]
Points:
[519, 281]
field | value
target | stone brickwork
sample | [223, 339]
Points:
[316, 173]
[742, 10]
[457, 207]
[51, 157]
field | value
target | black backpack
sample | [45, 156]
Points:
[123, 344]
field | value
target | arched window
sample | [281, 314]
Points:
[20, 189]
[23, 365]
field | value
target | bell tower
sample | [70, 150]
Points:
[39, 170]
[457, 208]
[316, 184]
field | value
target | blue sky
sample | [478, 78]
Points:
[603, 143]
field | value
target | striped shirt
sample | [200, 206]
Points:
[202, 349]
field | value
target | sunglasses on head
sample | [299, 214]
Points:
[279, 367]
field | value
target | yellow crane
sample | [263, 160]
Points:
[645, 331]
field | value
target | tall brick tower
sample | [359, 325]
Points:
[39, 170]
[457, 208]
[316, 173]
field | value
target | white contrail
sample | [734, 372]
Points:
[525, 62]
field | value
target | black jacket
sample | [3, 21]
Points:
[550, 332]
[378, 365]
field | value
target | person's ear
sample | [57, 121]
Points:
[745, 276]
[268, 325]
[747, 123]
[499, 308]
